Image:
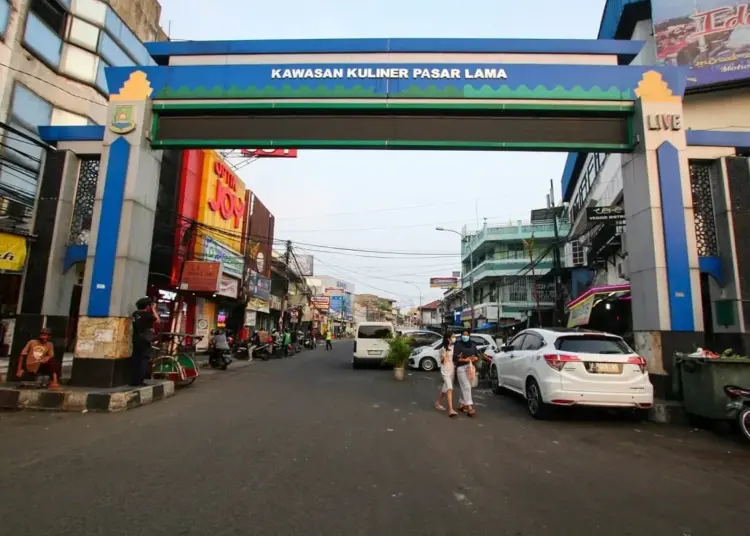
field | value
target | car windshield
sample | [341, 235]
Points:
[592, 344]
[374, 332]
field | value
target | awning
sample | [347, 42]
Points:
[580, 308]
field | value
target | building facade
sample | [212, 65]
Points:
[52, 59]
[607, 242]
[506, 266]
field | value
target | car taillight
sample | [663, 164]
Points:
[639, 361]
[557, 362]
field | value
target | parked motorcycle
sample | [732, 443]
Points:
[241, 350]
[262, 352]
[739, 407]
[309, 343]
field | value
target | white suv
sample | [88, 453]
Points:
[427, 358]
[559, 367]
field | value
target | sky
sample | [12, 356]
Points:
[391, 200]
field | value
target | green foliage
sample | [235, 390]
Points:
[399, 350]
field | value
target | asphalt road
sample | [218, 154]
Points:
[308, 446]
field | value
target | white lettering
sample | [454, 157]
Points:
[384, 73]
[486, 73]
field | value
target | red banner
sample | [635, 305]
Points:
[273, 153]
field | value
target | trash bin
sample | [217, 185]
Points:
[702, 381]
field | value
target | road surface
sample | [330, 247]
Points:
[308, 446]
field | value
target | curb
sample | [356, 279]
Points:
[80, 401]
[667, 412]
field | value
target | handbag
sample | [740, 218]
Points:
[473, 376]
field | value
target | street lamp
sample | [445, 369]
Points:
[471, 273]
[420, 298]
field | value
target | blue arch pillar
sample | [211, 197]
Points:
[120, 244]
[661, 244]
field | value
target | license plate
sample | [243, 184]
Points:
[374, 352]
[605, 368]
[734, 405]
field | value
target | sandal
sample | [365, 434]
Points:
[471, 412]
[452, 414]
[439, 407]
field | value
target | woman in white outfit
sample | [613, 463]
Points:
[448, 372]
[465, 354]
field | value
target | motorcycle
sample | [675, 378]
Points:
[739, 407]
[309, 343]
[220, 359]
[242, 350]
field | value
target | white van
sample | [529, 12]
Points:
[371, 344]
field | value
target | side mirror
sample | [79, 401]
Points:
[506, 348]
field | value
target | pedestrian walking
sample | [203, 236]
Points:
[287, 341]
[144, 320]
[465, 354]
[448, 372]
[329, 344]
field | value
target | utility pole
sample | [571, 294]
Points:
[530, 245]
[471, 285]
[285, 305]
[556, 261]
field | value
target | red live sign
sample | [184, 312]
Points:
[274, 153]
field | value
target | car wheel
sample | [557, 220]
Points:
[428, 364]
[534, 401]
[495, 382]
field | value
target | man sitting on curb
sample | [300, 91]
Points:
[38, 357]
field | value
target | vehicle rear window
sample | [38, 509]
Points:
[592, 344]
[374, 332]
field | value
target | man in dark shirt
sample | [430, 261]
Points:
[144, 320]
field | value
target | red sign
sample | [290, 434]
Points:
[274, 153]
[226, 202]
[201, 276]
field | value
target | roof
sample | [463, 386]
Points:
[432, 305]
[624, 50]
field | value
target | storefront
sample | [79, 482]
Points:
[605, 308]
[13, 250]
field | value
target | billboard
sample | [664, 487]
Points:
[712, 37]
[259, 287]
[201, 276]
[444, 282]
[303, 265]
[321, 302]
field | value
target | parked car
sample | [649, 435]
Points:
[562, 367]
[421, 337]
[426, 358]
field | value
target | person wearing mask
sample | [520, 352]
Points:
[145, 319]
[447, 371]
[465, 354]
[38, 357]
[329, 339]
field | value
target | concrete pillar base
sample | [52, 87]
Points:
[658, 348]
[103, 350]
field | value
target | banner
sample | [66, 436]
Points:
[259, 287]
[214, 251]
[444, 282]
[272, 153]
[303, 265]
[12, 252]
[228, 287]
[255, 304]
[321, 302]
[712, 37]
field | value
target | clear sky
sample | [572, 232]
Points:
[340, 198]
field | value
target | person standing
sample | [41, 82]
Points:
[38, 357]
[465, 354]
[329, 344]
[287, 341]
[448, 372]
[145, 318]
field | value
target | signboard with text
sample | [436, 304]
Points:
[201, 276]
[712, 37]
[259, 287]
[605, 214]
[443, 282]
[269, 153]
[228, 287]
[214, 251]
[303, 265]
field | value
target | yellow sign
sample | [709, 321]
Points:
[223, 204]
[12, 252]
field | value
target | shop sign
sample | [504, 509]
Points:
[664, 122]
[250, 317]
[227, 202]
[322, 302]
[228, 287]
[259, 287]
[273, 153]
[232, 264]
[275, 302]
[255, 304]
[331, 291]
[200, 276]
[605, 214]
[12, 252]
[444, 282]
[580, 314]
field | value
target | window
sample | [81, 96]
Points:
[51, 13]
[593, 344]
[79, 64]
[517, 343]
[83, 34]
[577, 252]
[479, 341]
[374, 332]
[65, 118]
[92, 10]
[4, 16]
[532, 342]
